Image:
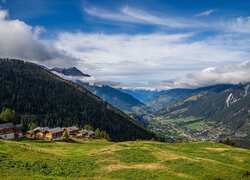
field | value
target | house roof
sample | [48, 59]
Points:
[18, 127]
[83, 131]
[73, 128]
[30, 132]
[6, 126]
[56, 130]
[42, 129]
[91, 133]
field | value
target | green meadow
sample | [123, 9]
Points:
[100, 159]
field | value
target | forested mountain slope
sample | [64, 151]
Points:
[115, 97]
[163, 98]
[208, 113]
[40, 97]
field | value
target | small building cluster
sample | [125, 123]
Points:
[58, 133]
[10, 131]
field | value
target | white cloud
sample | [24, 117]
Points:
[131, 15]
[205, 13]
[132, 59]
[231, 74]
[240, 25]
[19, 40]
[89, 80]
[150, 57]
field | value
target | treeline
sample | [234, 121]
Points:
[99, 134]
[43, 99]
[236, 142]
[7, 115]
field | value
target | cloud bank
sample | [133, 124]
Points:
[150, 57]
[134, 59]
[231, 74]
[19, 40]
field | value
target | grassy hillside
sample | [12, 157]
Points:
[99, 159]
[44, 99]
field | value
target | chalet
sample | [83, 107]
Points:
[40, 132]
[72, 131]
[58, 132]
[91, 134]
[18, 130]
[29, 133]
[54, 134]
[7, 131]
[82, 134]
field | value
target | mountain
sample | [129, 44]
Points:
[115, 97]
[73, 71]
[208, 113]
[163, 98]
[39, 97]
[142, 95]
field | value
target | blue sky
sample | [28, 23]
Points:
[141, 44]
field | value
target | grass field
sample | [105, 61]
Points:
[99, 159]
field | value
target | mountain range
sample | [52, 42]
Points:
[116, 97]
[208, 113]
[42, 98]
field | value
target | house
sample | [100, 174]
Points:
[54, 134]
[40, 132]
[82, 134]
[72, 131]
[7, 131]
[29, 133]
[91, 134]
[18, 130]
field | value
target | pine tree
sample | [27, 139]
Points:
[97, 133]
[88, 127]
[8, 115]
[66, 136]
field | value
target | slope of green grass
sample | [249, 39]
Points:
[99, 159]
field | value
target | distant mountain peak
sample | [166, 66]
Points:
[72, 71]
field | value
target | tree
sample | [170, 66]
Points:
[97, 133]
[66, 136]
[8, 115]
[88, 127]
[32, 126]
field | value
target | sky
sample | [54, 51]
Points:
[143, 44]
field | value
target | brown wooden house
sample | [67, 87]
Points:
[54, 134]
[82, 134]
[40, 132]
[91, 134]
[18, 130]
[29, 133]
[72, 131]
[7, 131]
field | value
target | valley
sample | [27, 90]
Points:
[184, 114]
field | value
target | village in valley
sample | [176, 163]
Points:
[11, 131]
